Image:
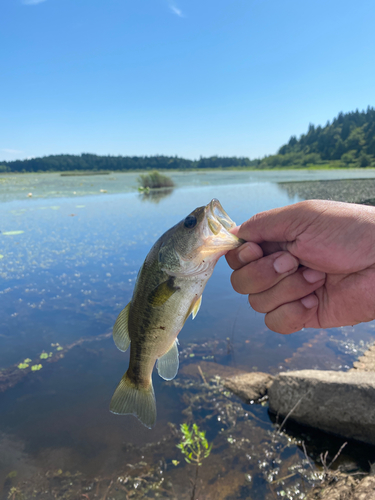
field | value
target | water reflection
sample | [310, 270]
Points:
[156, 195]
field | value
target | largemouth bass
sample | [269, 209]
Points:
[169, 288]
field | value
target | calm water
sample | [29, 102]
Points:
[67, 269]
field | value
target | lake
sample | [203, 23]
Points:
[69, 257]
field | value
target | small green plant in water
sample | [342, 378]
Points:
[45, 355]
[15, 494]
[194, 446]
[57, 345]
[25, 364]
[35, 368]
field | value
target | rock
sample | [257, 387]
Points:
[366, 362]
[249, 386]
[341, 403]
[343, 487]
[334, 488]
[366, 489]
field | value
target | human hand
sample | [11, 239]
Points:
[308, 265]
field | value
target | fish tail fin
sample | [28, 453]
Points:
[130, 398]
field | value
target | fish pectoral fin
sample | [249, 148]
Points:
[167, 365]
[196, 307]
[134, 400]
[162, 292]
[121, 330]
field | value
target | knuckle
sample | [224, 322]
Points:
[283, 321]
[237, 283]
[272, 324]
[258, 304]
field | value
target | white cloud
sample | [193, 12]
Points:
[11, 151]
[176, 10]
[32, 2]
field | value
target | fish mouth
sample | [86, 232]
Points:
[219, 214]
[220, 225]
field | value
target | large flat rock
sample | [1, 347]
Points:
[342, 403]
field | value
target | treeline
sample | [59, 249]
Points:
[92, 162]
[348, 141]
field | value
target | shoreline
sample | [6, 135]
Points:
[73, 172]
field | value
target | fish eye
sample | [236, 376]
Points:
[190, 221]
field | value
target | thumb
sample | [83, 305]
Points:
[282, 224]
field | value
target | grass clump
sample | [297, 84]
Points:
[154, 180]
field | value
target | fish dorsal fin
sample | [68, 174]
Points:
[196, 307]
[163, 292]
[167, 365]
[121, 330]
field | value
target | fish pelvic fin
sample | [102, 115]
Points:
[196, 307]
[132, 399]
[121, 330]
[167, 365]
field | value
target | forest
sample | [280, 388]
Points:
[349, 141]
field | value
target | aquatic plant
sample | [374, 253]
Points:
[25, 364]
[12, 375]
[15, 493]
[35, 368]
[154, 180]
[195, 447]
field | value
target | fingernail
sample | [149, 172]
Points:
[310, 301]
[313, 276]
[247, 253]
[285, 263]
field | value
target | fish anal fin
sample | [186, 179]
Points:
[167, 365]
[163, 292]
[121, 330]
[130, 399]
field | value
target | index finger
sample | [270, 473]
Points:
[246, 253]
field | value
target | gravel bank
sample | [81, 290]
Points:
[350, 190]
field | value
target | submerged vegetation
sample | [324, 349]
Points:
[154, 180]
[349, 141]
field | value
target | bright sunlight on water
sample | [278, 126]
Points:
[68, 264]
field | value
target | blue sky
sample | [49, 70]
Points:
[186, 78]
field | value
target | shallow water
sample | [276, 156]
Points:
[68, 266]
